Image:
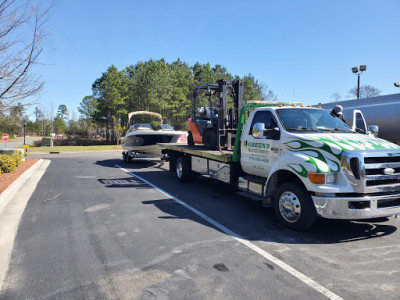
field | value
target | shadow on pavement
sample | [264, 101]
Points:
[242, 216]
[137, 163]
[323, 232]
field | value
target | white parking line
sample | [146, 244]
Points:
[329, 294]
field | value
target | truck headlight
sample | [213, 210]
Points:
[322, 178]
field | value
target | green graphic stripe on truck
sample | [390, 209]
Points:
[324, 154]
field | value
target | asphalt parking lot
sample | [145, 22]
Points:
[96, 227]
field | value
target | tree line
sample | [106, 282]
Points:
[153, 85]
[157, 86]
[44, 122]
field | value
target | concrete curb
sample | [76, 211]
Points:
[12, 205]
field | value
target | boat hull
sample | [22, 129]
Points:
[147, 142]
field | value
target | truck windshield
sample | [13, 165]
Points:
[310, 119]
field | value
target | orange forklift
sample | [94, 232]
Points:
[214, 125]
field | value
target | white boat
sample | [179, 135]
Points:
[143, 138]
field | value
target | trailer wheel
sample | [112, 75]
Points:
[190, 140]
[294, 207]
[210, 139]
[183, 170]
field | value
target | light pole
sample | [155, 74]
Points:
[24, 131]
[358, 73]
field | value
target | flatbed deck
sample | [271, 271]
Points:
[219, 155]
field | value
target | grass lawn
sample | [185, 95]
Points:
[73, 148]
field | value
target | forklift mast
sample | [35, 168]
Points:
[228, 119]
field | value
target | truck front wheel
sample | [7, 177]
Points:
[294, 207]
[183, 170]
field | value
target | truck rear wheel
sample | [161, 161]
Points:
[183, 169]
[294, 207]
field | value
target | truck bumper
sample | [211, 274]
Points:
[354, 208]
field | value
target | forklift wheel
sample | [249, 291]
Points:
[210, 140]
[190, 139]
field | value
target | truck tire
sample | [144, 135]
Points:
[124, 156]
[183, 169]
[172, 165]
[128, 158]
[294, 207]
[190, 140]
[210, 139]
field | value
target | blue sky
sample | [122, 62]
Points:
[303, 47]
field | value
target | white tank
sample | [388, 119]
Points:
[383, 111]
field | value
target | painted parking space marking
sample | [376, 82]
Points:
[316, 286]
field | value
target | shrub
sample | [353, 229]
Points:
[74, 142]
[7, 163]
[17, 156]
[79, 142]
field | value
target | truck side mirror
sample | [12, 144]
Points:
[273, 133]
[258, 130]
[373, 130]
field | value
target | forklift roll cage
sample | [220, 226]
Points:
[227, 121]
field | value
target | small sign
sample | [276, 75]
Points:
[183, 139]
[25, 146]
[5, 137]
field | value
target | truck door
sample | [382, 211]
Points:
[259, 154]
[359, 124]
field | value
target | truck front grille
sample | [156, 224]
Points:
[373, 171]
[380, 171]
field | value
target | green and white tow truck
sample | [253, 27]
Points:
[302, 161]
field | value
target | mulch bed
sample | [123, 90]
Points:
[7, 178]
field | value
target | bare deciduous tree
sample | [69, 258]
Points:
[366, 91]
[335, 97]
[22, 30]
[267, 93]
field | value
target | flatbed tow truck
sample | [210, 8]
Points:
[301, 160]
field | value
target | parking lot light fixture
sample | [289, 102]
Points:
[358, 73]
[397, 84]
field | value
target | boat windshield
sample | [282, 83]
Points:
[165, 127]
[142, 126]
[310, 120]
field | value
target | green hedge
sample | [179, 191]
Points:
[74, 142]
[7, 163]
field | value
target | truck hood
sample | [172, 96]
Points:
[323, 152]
